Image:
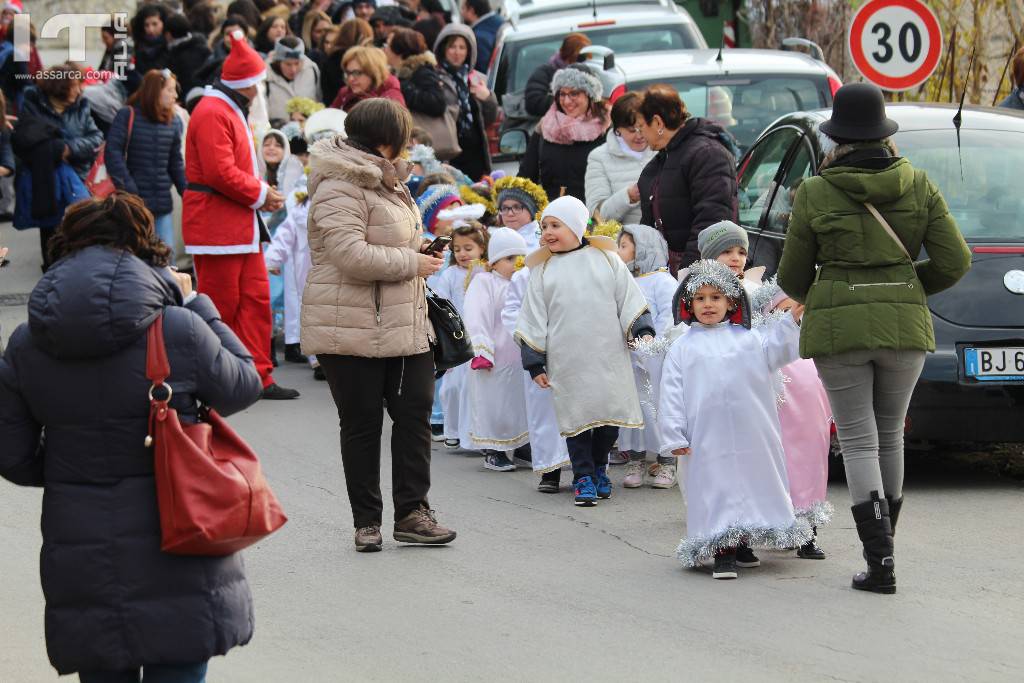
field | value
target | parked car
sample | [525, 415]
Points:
[972, 387]
[623, 27]
[743, 90]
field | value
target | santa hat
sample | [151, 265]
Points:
[14, 6]
[710, 273]
[433, 200]
[570, 211]
[504, 242]
[243, 67]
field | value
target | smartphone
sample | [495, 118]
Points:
[439, 244]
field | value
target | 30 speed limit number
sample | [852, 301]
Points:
[895, 44]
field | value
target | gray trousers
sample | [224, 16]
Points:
[870, 392]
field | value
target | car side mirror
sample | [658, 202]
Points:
[513, 142]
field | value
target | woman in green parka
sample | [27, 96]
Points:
[847, 257]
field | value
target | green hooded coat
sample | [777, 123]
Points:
[860, 289]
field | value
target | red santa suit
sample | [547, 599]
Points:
[219, 221]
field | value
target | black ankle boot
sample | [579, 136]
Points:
[894, 511]
[810, 550]
[875, 531]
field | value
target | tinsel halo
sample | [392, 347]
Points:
[526, 185]
[303, 105]
[607, 229]
[714, 274]
[470, 196]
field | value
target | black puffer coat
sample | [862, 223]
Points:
[421, 85]
[696, 186]
[558, 167]
[154, 164]
[184, 59]
[537, 96]
[77, 369]
[76, 124]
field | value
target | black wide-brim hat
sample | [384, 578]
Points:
[858, 113]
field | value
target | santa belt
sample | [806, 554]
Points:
[199, 187]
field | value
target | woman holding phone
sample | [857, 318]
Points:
[455, 50]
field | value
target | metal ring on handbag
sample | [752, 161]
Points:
[458, 335]
[170, 392]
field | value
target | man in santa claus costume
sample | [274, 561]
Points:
[220, 224]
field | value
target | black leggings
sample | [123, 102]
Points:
[359, 387]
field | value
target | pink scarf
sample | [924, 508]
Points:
[562, 129]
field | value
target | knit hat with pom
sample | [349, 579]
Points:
[435, 198]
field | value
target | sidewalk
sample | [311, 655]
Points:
[18, 278]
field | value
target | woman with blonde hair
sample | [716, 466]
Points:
[366, 76]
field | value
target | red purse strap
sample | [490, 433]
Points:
[157, 366]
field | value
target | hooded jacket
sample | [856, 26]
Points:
[866, 294]
[484, 112]
[77, 369]
[651, 249]
[154, 161]
[363, 296]
[289, 170]
[610, 173]
[76, 124]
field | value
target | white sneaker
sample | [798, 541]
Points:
[634, 474]
[666, 477]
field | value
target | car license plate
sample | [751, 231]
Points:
[995, 364]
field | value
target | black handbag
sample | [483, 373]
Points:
[451, 345]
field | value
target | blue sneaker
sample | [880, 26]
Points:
[602, 483]
[586, 493]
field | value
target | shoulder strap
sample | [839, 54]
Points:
[888, 229]
[128, 138]
[158, 368]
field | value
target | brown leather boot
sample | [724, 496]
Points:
[368, 539]
[420, 526]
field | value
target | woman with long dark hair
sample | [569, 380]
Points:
[149, 45]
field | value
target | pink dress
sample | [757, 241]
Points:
[805, 416]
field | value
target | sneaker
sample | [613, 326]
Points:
[585, 491]
[498, 461]
[523, 455]
[725, 565]
[275, 392]
[666, 477]
[420, 526]
[634, 474]
[810, 551]
[368, 539]
[746, 558]
[437, 432]
[602, 483]
[550, 481]
[293, 354]
[318, 374]
[451, 443]
[617, 457]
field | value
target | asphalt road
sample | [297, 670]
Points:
[535, 589]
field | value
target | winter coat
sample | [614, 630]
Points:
[185, 57]
[76, 124]
[486, 32]
[44, 184]
[695, 176]
[120, 49]
[289, 171]
[220, 154]
[77, 370]
[866, 294]
[150, 53]
[538, 97]
[390, 89]
[610, 173]
[105, 100]
[279, 90]
[421, 85]
[332, 76]
[556, 167]
[154, 160]
[1015, 100]
[363, 296]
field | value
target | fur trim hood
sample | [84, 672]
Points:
[411, 65]
[456, 30]
[335, 158]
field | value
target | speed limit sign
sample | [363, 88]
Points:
[895, 44]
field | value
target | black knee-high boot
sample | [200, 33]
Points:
[875, 530]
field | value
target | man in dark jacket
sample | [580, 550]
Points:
[689, 185]
[186, 53]
[485, 23]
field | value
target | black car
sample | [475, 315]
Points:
[972, 387]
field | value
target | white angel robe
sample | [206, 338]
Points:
[578, 311]
[498, 419]
[548, 449]
[289, 250]
[531, 233]
[658, 287]
[451, 284]
[717, 399]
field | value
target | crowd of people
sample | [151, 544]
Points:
[343, 147]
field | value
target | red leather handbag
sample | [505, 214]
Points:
[211, 492]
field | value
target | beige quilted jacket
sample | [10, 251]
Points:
[363, 296]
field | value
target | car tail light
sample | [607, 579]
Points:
[494, 136]
[834, 84]
[618, 92]
[998, 250]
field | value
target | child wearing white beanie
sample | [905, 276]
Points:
[495, 385]
[581, 296]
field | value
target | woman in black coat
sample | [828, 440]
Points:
[575, 125]
[691, 182]
[73, 420]
[150, 46]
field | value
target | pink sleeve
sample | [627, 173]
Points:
[477, 315]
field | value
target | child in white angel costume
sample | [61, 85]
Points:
[718, 414]
[495, 384]
[581, 311]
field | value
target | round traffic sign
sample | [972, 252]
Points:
[895, 44]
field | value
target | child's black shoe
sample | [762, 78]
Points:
[549, 481]
[746, 558]
[725, 565]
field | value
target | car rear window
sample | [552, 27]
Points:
[985, 197]
[746, 106]
[521, 58]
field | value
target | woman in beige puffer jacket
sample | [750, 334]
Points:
[364, 315]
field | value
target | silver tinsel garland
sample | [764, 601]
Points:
[817, 514]
[692, 551]
[713, 274]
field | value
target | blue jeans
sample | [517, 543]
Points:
[153, 673]
[164, 226]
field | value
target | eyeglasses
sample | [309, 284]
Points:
[571, 94]
[511, 208]
[355, 74]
